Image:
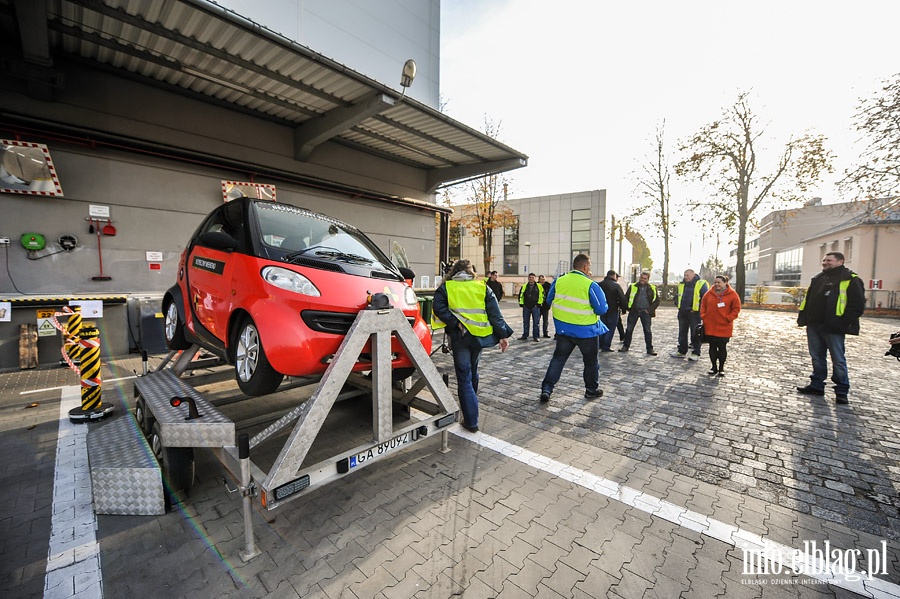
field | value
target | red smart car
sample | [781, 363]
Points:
[273, 289]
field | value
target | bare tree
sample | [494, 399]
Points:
[483, 211]
[723, 154]
[878, 120]
[653, 185]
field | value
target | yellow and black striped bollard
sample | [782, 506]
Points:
[92, 407]
[73, 335]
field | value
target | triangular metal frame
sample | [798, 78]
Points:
[312, 413]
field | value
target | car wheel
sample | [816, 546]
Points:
[176, 464]
[255, 376]
[174, 328]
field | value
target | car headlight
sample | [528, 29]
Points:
[409, 296]
[289, 281]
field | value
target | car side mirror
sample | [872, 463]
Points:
[408, 275]
[218, 240]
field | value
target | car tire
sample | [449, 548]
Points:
[177, 466]
[142, 416]
[173, 327]
[254, 375]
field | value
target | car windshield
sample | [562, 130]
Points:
[302, 233]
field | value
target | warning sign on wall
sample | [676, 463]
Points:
[45, 327]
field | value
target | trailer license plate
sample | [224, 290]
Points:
[381, 449]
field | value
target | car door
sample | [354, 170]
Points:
[210, 270]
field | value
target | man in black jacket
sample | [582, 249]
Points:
[495, 285]
[615, 299]
[642, 301]
[835, 300]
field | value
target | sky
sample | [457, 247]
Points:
[580, 86]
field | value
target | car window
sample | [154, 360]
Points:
[228, 219]
[293, 229]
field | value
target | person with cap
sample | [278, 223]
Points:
[578, 303]
[469, 310]
[690, 291]
[615, 300]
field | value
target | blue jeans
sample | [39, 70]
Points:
[610, 319]
[532, 315]
[821, 343]
[633, 317]
[688, 321]
[466, 353]
[564, 347]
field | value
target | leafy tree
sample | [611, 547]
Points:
[724, 155]
[653, 185]
[877, 120]
[482, 211]
[711, 268]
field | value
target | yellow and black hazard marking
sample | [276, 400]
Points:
[90, 368]
[73, 334]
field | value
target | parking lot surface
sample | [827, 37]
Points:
[673, 484]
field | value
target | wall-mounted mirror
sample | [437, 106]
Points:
[232, 190]
[27, 168]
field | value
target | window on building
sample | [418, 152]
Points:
[834, 246]
[511, 249]
[823, 249]
[581, 231]
[848, 248]
[455, 242]
[788, 264]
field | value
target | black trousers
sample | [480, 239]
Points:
[718, 351]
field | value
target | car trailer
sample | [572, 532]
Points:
[174, 419]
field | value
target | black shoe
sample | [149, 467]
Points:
[713, 370]
[808, 390]
[605, 350]
[547, 335]
[536, 339]
[588, 394]
[471, 429]
[651, 352]
[841, 398]
[722, 372]
[545, 397]
[623, 349]
[523, 338]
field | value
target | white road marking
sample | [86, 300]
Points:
[73, 561]
[781, 558]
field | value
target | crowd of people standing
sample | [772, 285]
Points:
[586, 315]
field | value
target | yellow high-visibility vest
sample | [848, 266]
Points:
[695, 306]
[572, 302]
[466, 301]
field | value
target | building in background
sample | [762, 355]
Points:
[550, 232]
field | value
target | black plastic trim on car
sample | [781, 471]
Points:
[335, 323]
[300, 261]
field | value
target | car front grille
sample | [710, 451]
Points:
[336, 323]
[321, 265]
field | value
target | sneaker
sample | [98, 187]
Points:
[623, 349]
[722, 372]
[536, 340]
[809, 390]
[547, 335]
[651, 352]
[545, 397]
[694, 357]
[471, 429]
[523, 338]
[841, 398]
[713, 370]
[677, 354]
[588, 394]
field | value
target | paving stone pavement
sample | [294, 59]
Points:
[651, 491]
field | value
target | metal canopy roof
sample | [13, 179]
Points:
[197, 47]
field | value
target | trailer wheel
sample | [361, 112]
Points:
[177, 465]
[143, 417]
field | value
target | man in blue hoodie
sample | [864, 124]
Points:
[577, 303]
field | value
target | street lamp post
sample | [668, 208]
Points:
[528, 264]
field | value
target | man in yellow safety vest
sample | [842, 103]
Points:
[469, 310]
[578, 303]
[831, 308]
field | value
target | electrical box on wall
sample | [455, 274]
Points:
[33, 241]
